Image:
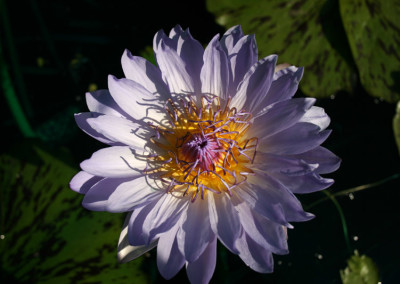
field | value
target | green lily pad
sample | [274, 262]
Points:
[302, 33]
[45, 234]
[373, 31]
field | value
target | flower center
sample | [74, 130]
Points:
[202, 149]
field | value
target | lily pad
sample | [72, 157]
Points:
[302, 33]
[373, 31]
[45, 234]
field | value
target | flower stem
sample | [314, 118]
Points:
[12, 100]
[342, 218]
[355, 189]
[332, 197]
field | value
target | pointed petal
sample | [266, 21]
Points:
[280, 116]
[97, 196]
[266, 233]
[224, 220]
[132, 194]
[140, 223]
[143, 72]
[126, 252]
[174, 70]
[303, 184]
[230, 38]
[175, 32]
[121, 130]
[164, 215]
[191, 52]
[134, 99]
[195, 233]
[299, 138]
[83, 181]
[287, 165]
[169, 258]
[255, 256]
[259, 201]
[326, 160]
[135, 226]
[161, 36]
[101, 101]
[215, 75]
[317, 116]
[284, 85]
[276, 193]
[242, 57]
[81, 120]
[256, 84]
[201, 270]
[116, 161]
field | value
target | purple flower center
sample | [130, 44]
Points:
[202, 150]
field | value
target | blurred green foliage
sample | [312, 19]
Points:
[46, 235]
[12, 99]
[336, 41]
[373, 31]
[360, 270]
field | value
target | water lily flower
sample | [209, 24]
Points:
[208, 145]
